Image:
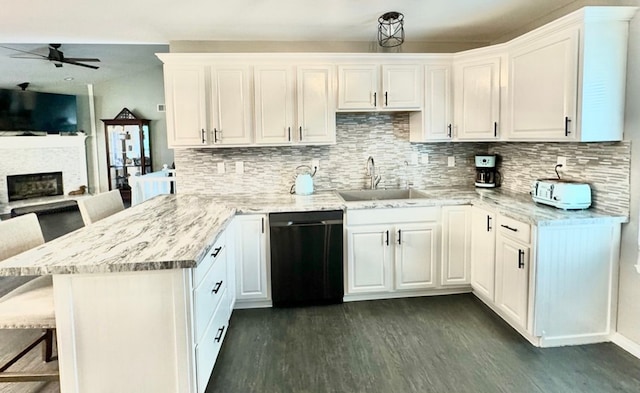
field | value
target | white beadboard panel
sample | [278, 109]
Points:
[574, 278]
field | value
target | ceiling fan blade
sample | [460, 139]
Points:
[24, 51]
[79, 64]
[81, 59]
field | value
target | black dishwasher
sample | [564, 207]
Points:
[306, 258]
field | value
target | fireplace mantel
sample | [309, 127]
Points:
[41, 142]
[39, 154]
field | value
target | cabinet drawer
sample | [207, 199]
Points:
[392, 215]
[208, 294]
[209, 346]
[514, 229]
[208, 260]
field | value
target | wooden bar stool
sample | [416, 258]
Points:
[30, 306]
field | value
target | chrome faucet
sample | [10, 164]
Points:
[371, 172]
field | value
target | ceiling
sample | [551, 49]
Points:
[125, 34]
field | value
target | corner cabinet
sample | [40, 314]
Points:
[554, 283]
[456, 246]
[483, 252]
[567, 79]
[477, 98]
[435, 121]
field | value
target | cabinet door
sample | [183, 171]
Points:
[251, 257]
[456, 245]
[477, 99]
[543, 88]
[416, 255]
[185, 95]
[358, 87]
[512, 279]
[483, 252]
[437, 105]
[369, 259]
[401, 87]
[274, 105]
[231, 105]
[316, 105]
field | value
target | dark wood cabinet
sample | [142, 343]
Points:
[128, 150]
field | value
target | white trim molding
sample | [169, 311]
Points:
[630, 346]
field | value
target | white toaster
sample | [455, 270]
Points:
[563, 194]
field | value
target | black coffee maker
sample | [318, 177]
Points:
[486, 174]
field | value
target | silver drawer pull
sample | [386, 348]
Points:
[216, 287]
[509, 228]
[216, 251]
[219, 335]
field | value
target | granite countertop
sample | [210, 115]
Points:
[175, 231]
[166, 232]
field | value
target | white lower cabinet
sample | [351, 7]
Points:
[554, 283]
[512, 279]
[416, 255]
[456, 245]
[172, 320]
[392, 249]
[370, 258]
[252, 276]
[483, 252]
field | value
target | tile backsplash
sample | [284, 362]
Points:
[385, 137]
[605, 166]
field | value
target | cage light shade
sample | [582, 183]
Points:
[391, 29]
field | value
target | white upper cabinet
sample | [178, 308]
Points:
[231, 105]
[401, 87]
[316, 113]
[434, 123]
[477, 98]
[567, 78]
[294, 107]
[186, 105]
[358, 87]
[543, 83]
[274, 104]
[370, 87]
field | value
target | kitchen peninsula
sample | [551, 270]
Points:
[156, 284]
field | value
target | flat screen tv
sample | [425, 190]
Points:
[36, 111]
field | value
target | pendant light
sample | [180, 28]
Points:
[391, 29]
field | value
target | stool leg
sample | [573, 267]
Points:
[47, 348]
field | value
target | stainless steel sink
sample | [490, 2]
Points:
[379, 195]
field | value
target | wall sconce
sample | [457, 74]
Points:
[391, 29]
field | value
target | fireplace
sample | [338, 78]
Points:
[34, 185]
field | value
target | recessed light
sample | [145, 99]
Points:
[69, 78]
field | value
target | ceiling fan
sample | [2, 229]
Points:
[57, 57]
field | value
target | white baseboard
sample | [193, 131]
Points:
[626, 344]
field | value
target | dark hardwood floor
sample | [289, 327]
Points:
[431, 344]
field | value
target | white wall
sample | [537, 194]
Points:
[140, 93]
[629, 293]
